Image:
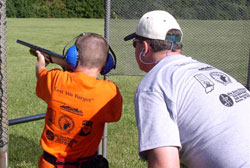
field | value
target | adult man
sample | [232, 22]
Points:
[185, 108]
[79, 104]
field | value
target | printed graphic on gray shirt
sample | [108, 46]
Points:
[205, 82]
[221, 78]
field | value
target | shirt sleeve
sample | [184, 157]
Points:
[114, 110]
[44, 84]
[157, 126]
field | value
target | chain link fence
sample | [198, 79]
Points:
[215, 32]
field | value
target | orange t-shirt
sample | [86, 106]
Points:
[78, 107]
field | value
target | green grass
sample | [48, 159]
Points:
[226, 48]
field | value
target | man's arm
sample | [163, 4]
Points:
[163, 157]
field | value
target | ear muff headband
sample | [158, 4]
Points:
[71, 56]
[110, 63]
[71, 42]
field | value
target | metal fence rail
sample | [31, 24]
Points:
[26, 119]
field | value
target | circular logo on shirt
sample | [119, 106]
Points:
[226, 100]
[66, 123]
[50, 135]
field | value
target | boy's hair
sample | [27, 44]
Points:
[92, 50]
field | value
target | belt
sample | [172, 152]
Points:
[54, 160]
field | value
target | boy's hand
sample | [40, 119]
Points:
[42, 58]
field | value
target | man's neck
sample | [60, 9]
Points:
[160, 55]
[175, 52]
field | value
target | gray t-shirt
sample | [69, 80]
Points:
[198, 108]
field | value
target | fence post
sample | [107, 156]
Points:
[103, 146]
[4, 133]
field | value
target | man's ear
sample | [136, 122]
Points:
[146, 47]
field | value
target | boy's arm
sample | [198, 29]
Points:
[41, 62]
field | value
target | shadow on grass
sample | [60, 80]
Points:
[23, 152]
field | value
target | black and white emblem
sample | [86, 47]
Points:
[220, 77]
[226, 100]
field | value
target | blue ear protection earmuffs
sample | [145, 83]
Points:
[71, 57]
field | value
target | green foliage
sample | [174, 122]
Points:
[185, 9]
[55, 8]
[20, 8]
[86, 8]
[182, 9]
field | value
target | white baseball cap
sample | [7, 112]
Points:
[155, 25]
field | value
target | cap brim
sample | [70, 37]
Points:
[129, 37]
